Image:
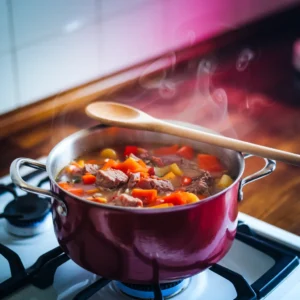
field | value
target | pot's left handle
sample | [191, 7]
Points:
[18, 181]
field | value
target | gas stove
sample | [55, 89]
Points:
[263, 262]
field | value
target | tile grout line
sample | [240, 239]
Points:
[13, 51]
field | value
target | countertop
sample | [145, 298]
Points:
[262, 106]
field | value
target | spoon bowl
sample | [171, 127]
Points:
[116, 114]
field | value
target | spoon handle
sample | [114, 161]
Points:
[226, 142]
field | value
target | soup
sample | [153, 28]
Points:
[145, 176]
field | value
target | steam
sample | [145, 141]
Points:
[189, 97]
[208, 106]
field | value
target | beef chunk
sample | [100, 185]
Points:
[160, 185]
[110, 178]
[201, 184]
[126, 201]
[166, 160]
[134, 178]
[157, 161]
[91, 168]
[144, 154]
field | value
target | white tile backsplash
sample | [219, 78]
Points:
[36, 20]
[59, 44]
[131, 38]
[4, 29]
[58, 64]
[7, 86]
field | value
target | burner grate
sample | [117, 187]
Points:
[286, 260]
[40, 274]
[92, 289]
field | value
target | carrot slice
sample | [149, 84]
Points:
[145, 195]
[131, 165]
[176, 198]
[99, 200]
[88, 179]
[110, 164]
[65, 185]
[93, 191]
[180, 198]
[209, 163]
[166, 150]
[76, 191]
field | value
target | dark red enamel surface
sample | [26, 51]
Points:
[147, 247]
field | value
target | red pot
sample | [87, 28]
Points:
[140, 245]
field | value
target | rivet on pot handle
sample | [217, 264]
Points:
[18, 181]
[268, 168]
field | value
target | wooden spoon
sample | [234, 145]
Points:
[116, 114]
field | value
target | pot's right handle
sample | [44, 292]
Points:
[19, 182]
[266, 170]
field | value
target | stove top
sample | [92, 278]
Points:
[263, 263]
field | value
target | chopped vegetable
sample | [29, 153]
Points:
[169, 176]
[191, 198]
[180, 198]
[151, 171]
[76, 164]
[225, 181]
[166, 150]
[186, 152]
[88, 179]
[110, 164]
[81, 163]
[131, 165]
[130, 150]
[164, 205]
[160, 172]
[176, 170]
[76, 191]
[209, 163]
[99, 199]
[93, 191]
[176, 198]
[144, 174]
[148, 196]
[185, 180]
[108, 153]
[65, 185]
[142, 163]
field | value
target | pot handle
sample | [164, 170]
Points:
[19, 182]
[266, 170]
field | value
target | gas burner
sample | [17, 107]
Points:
[27, 215]
[34, 215]
[167, 290]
